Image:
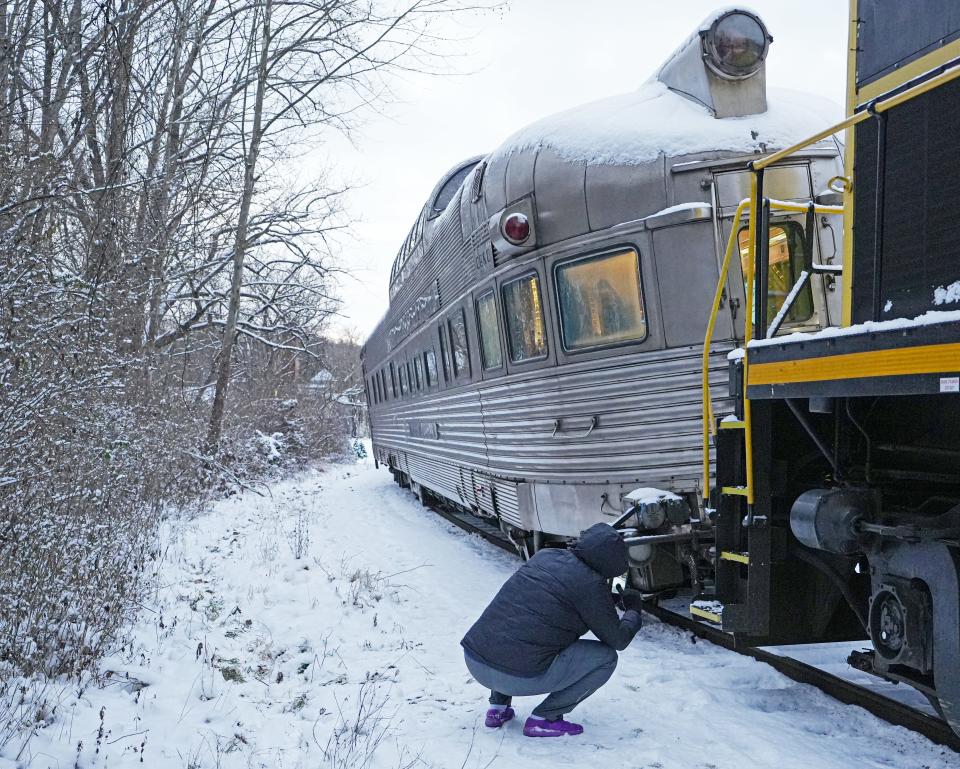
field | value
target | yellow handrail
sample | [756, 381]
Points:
[859, 117]
[708, 419]
[752, 203]
[747, 336]
[707, 402]
[802, 208]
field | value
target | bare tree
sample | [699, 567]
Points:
[153, 251]
[316, 63]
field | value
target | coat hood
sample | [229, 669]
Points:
[602, 549]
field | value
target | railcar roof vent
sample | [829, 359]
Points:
[722, 65]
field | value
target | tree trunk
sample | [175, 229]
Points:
[240, 242]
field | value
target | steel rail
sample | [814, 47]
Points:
[840, 689]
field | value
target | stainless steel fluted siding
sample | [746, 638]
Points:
[649, 420]
[649, 425]
[507, 501]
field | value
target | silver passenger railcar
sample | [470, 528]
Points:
[540, 357]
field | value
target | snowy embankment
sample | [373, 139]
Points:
[348, 657]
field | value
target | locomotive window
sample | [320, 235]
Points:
[523, 309]
[489, 325]
[418, 371]
[601, 301]
[430, 359]
[458, 342]
[393, 379]
[786, 263]
[444, 352]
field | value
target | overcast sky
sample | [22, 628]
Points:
[533, 58]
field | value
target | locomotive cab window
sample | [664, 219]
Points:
[458, 344]
[601, 300]
[489, 326]
[523, 310]
[786, 264]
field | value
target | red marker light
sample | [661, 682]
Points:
[516, 228]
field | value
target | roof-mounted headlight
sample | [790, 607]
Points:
[735, 45]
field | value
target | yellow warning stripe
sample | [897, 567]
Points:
[908, 72]
[696, 611]
[925, 359]
[738, 557]
[732, 425]
[735, 491]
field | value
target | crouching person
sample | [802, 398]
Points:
[527, 641]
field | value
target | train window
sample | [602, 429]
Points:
[458, 343]
[418, 371]
[430, 360]
[383, 384]
[489, 324]
[393, 379]
[601, 301]
[449, 189]
[444, 352]
[786, 263]
[373, 390]
[403, 379]
[523, 309]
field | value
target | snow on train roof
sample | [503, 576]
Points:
[638, 127]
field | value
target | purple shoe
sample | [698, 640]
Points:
[541, 727]
[497, 717]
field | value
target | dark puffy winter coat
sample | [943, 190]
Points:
[552, 600]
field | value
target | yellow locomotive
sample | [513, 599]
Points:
[835, 496]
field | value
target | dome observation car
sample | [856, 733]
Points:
[735, 45]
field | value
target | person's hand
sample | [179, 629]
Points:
[632, 599]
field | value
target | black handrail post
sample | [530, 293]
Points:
[810, 227]
[761, 253]
[762, 270]
[879, 202]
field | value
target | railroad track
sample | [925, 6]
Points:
[840, 689]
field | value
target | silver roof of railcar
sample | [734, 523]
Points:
[608, 162]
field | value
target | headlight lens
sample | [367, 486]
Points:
[736, 45]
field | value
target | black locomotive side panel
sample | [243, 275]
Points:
[893, 33]
[918, 251]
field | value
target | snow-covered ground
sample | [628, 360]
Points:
[349, 657]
